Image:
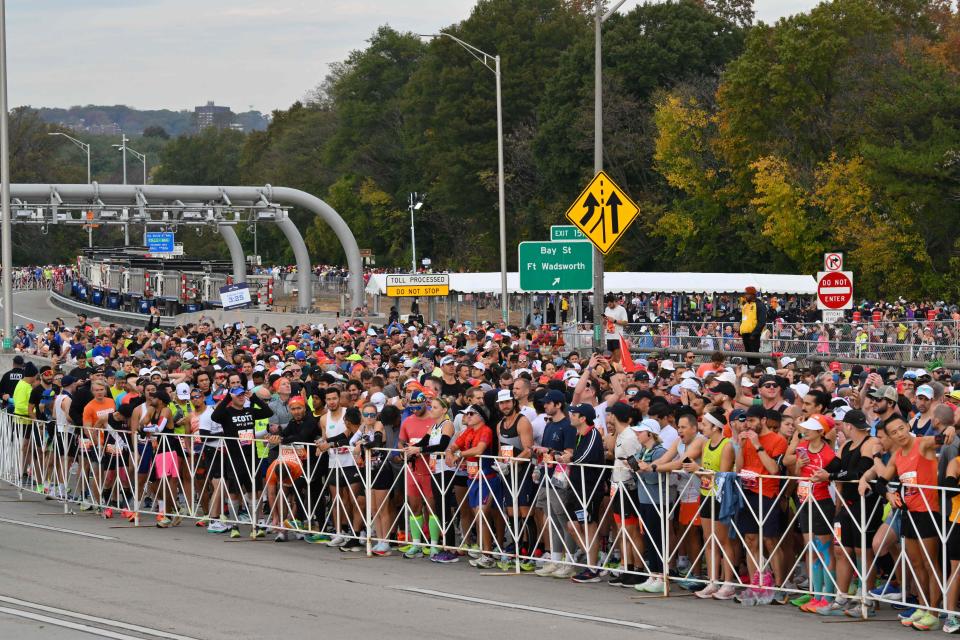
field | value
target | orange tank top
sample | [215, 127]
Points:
[917, 474]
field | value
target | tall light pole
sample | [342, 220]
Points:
[83, 145]
[142, 157]
[599, 19]
[487, 60]
[416, 203]
[6, 242]
[122, 147]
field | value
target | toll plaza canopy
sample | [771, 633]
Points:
[635, 282]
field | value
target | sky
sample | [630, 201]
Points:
[176, 54]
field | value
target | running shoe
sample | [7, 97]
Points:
[128, 515]
[445, 557]
[691, 583]
[280, 537]
[652, 585]
[801, 600]
[474, 551]
[855, 609]
[708, 591]
[951, 624]
[565, 571]
[927, 622]
[504, 565]
[888, 590]
[907, 604]
[908, 616]
[527, 566]
[726, 592]
[353, 545]
[234, 532]
[380, 549]
[616, 581]
[547, 570]
[415, 552]
[86, 506]
[483, 562]
[587, 575]
[243, 517]
[216, 526]
[835, 608]
[164, 522]
[201, 523]
[107, 513]
[432, 551]
[406, 547]
[257, 532]
[338, 541]
[813, 605]
[318, 538]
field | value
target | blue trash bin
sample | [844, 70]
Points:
[144, 306]
[113, 301]
[97, 297]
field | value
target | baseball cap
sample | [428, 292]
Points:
[856, 418]
[668, 365]
[183, 391]
[725, 388]
[445, 360]
[378, 400]
[926, 391]
[67, 380]
[738, 415]
[479, 365]
[786, 361]
[885, 392]
[647, 424]
[504, 395]
[816, 422]
[555, 396]
[18, 360]
[584, 410]
[835, 367]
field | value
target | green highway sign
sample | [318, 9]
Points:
[560, 232]
[556, 266]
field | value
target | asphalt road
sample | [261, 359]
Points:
[76, 576]
[35, 307]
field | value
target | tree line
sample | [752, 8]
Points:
[749, 147]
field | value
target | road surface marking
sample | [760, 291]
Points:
[523, 607]
[57, 529]
[82, 616]
[34, 320]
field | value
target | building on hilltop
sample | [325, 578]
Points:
[211, 115]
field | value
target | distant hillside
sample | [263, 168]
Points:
[101, 119]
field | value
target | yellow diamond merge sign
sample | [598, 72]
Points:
[603, 212]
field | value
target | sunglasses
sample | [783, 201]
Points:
[470, 413]
[370, 414]
[770, 385]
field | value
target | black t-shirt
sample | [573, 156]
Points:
[81, 373]
[233, 420]
[453, 390]
[9, 381]
[587, 450]
[81, 398]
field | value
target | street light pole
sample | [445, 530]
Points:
[6, 242]
[413, 237]
[123, 148]
[142, 157]
[599, 19]
[486, 59]
[83, 145]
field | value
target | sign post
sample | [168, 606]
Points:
[555, 266]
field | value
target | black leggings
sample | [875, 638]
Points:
[444, 503]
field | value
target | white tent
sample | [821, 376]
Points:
[636, 282]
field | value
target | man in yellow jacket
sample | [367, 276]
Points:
[753, 318]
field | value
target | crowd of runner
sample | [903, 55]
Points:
[500, 444]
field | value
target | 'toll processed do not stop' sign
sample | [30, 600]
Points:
[835, 290]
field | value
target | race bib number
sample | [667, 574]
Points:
[750, 480]
[432, 460]
[803, 490]
[473, 468]
[341, 450]
[613, 489]
[245, 436]
[506, 451]
[289, 454]
[909, 482]
[706, 483]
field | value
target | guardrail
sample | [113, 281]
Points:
[677, 528]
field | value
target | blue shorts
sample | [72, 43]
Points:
[489, 487]
[145, 449]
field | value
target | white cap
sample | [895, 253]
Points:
[728, 376]
[275, 341]
[339, 350]
[183, 391]
[800, 389]
[675, 390]
[647, 424]
[787, 360]
[746, 381]
[188, 355]
[687, 374]
[690, 385]
[144, 372]
[570, 373]
[504, 395]
[668, 365]
[926, 391]
[447, 360]
[813, 424]
[99, 361]
[378, 400]
[479, 365]
[572, 382]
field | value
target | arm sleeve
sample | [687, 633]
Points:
[259, 409]
[439, 447]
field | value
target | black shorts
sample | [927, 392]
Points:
[523, 483]
[344, 476]
[709, 508]
[850, 536]
[115, 462]
[211, 462]
[461, 480]
[65, 444]
[917, 525]
[236, 471]
[816, 517]
[953, 542]
[748, 521]
[624, 502]
[577, 511]
[382, 475]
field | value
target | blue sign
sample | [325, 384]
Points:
[159, 242]
[234, 296]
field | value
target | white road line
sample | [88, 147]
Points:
[523, 607]
[57, 529]
[82, 616]
[34, 320]
[103, 633]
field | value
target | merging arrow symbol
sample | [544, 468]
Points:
[555, 282]
[589, 204]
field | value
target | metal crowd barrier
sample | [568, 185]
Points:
[500, 508]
